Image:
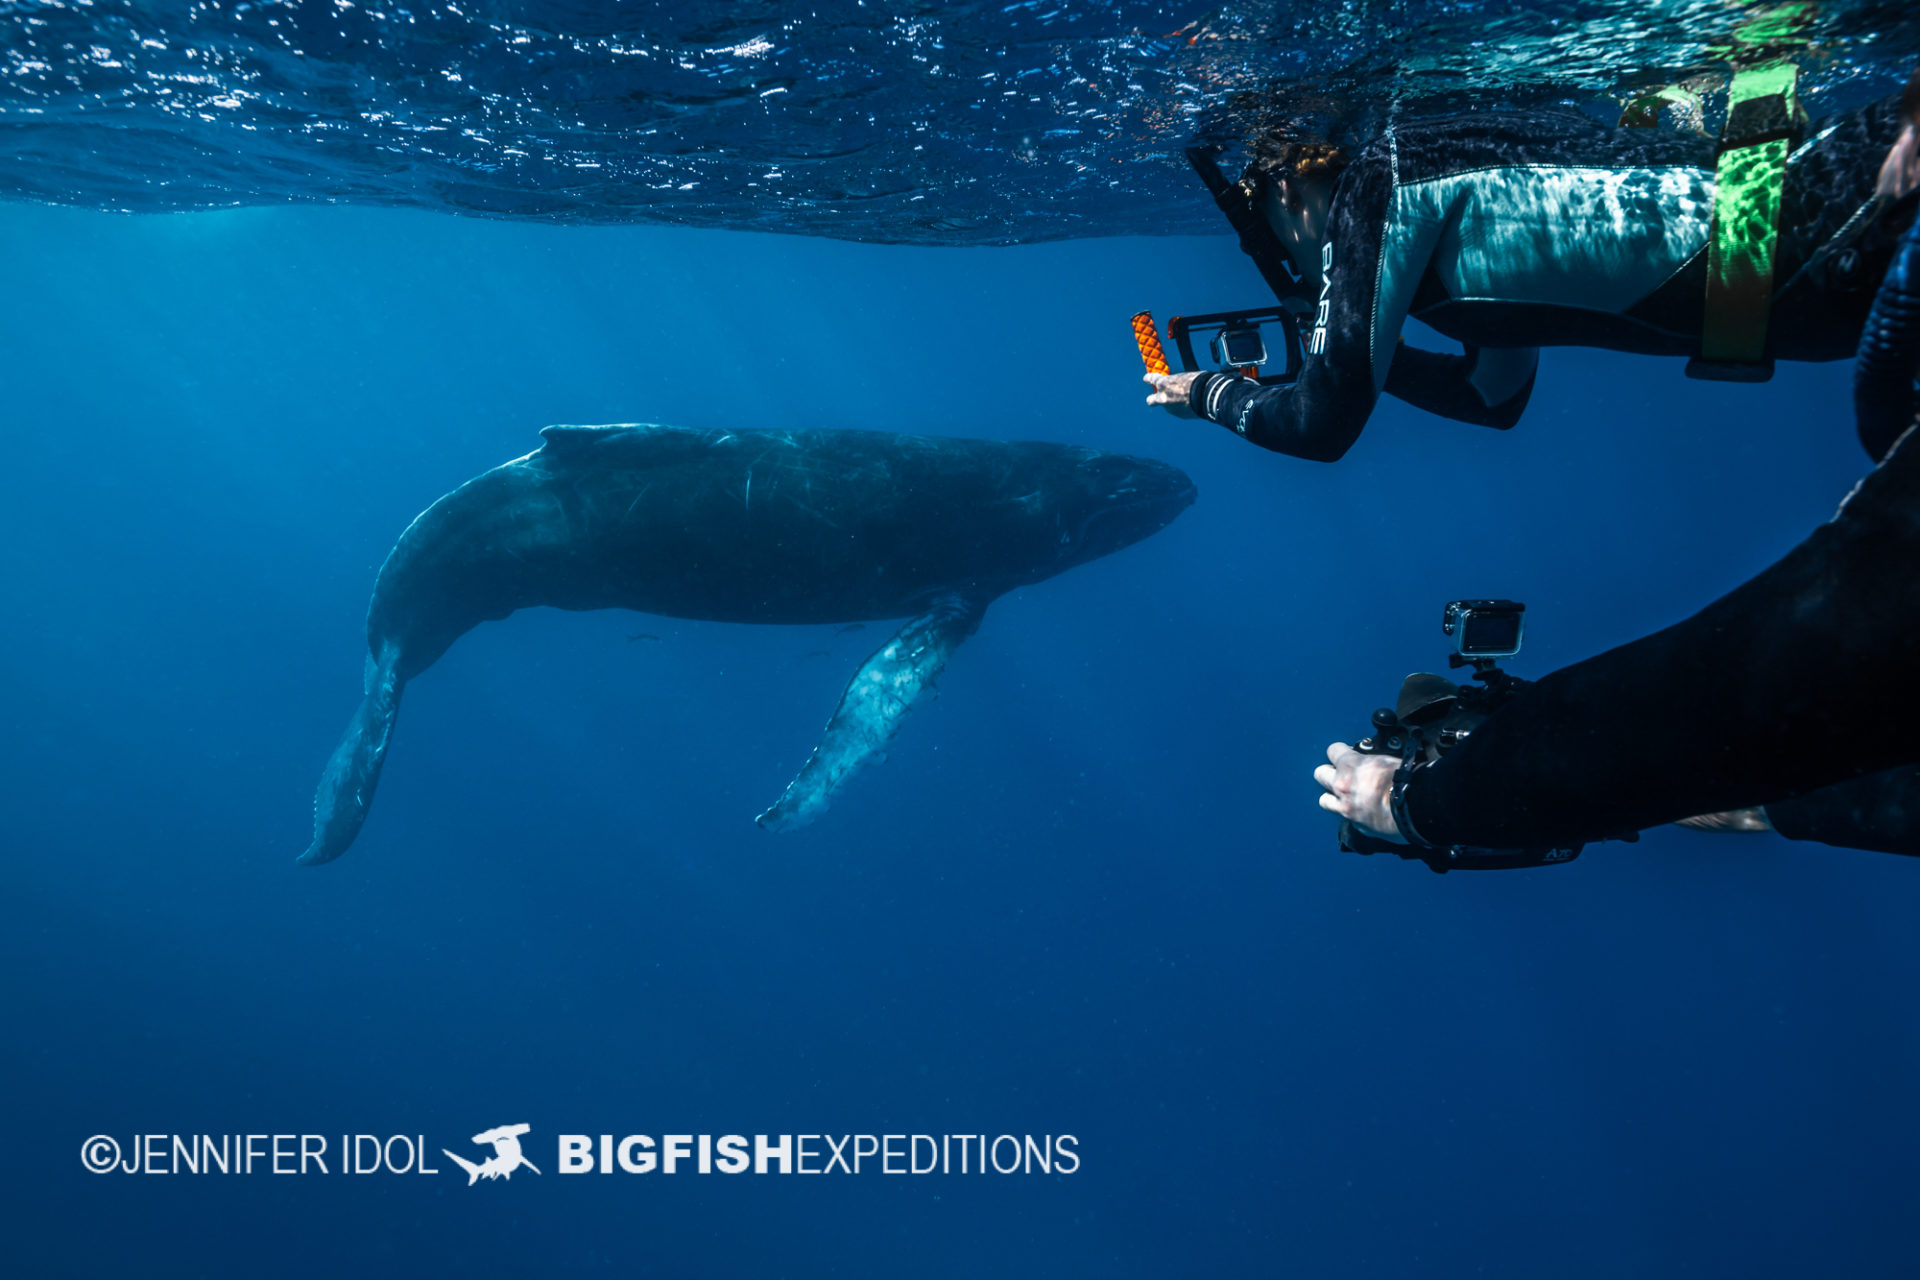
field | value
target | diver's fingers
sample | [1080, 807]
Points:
[1337, 750]
[1328, 777]
[1333, 803]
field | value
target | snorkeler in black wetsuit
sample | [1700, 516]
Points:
[1510, 231]
[1782, 705]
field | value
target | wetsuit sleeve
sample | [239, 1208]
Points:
[1883, 391]
[1880, 811]
[1320, 415]
[1785, 686]
[1790, 683]
[1487, 386]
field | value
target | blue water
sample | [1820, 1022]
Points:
[1089, 893]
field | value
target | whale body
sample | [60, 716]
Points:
[744, 526]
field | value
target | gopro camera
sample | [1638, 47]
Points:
[1238, 346]
[1484, 629]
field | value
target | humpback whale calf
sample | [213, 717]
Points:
[744, 526]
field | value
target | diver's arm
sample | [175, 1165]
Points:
[1488, 386]
[1880, 812]
[1884, 403]
[1317, 418]
[1320, 415]
[1788, 684]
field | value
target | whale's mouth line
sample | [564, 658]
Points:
[1135, 504]
[1184, 496]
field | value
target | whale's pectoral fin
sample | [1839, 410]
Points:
[346, 788]
[870, 711]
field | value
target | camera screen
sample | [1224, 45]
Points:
[1243, 346]
[1490, 634]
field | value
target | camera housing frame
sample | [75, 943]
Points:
[1222, 327]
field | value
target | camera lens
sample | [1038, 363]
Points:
[1496, 634]
[1243, 346]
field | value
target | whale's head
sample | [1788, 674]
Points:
[1111, 500]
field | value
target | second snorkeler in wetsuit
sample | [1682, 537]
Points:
[1510, 231]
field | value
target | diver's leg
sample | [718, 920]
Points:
[1487, 386]
[1880, 812]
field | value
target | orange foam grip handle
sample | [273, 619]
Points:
[1146, 335]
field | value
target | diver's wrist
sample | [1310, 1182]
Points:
[1397, 803]
[1197, 394]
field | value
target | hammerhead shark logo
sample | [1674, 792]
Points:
[506, 1156]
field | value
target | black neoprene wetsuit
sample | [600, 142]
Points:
[1511, 231]
[1884, 404]
[1788, 693]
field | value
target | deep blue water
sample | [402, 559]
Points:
[1089, 893]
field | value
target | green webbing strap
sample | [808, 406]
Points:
[1763, 118]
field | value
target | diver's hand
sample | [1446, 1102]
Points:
[1170, 392]
[1359, 788]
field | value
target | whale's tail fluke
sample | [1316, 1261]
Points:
[346, 788]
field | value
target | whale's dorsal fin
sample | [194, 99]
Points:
[646, 443]
[565, 435]
[876, 700]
